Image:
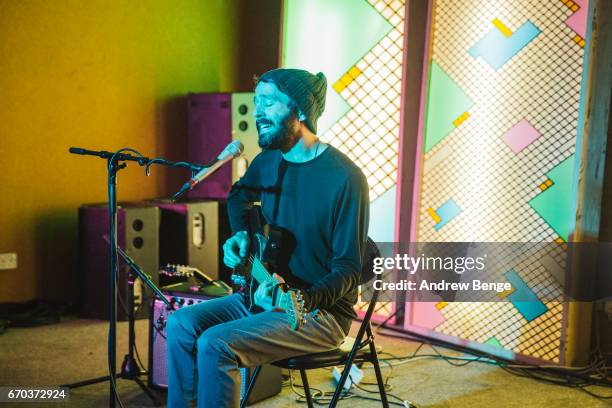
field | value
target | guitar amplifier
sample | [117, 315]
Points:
[192, 233]
[137, 234]
[267, 385]
[215, 120]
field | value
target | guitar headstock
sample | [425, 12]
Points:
[292, 302]
[177, 270]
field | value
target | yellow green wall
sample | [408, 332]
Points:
[99, 75]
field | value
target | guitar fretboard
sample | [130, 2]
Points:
[260, 273]
[285, 300]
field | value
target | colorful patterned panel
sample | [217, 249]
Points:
[520, 136]
[578, 21]
[358, 44]
[426, 314]
[493, 342]
[553, 204]
[445, 213]
[345, 31]
[515, 68]
[500, 44]
[369, 132]
[523, 298]
[447, 106]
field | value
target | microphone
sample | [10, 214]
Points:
[231, 151]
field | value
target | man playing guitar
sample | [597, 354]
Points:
[320, 198]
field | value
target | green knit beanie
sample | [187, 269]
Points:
[305, 89]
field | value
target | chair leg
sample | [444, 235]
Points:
[244, 401]
[379, 378]
[340, 385]
[306, 388]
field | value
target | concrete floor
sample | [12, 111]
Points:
[75, 350]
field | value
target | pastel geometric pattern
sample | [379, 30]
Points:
[578, 20]
[505, 293]
[446, 103]
[520, 136]
[438, 157]
[446, 212]
[358, 45]
[368, 132]
[524, 299]
[426, 314]
[546, 184]
[344, 32]
[496, 346]
[496, 48]
[499, 190]
[502, 27]
[382, 221]
[552, 204]
[434, 215]
[346, 79]
[493, 342]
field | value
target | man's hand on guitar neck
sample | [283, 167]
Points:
[236, 249]
[264, 294]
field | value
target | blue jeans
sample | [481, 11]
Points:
[209, 342]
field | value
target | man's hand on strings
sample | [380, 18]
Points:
[236, 249]
[263, 295]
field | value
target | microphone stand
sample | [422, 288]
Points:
[115, 163]
[129, 368]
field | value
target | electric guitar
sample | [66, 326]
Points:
[263, 258]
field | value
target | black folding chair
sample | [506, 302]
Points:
[363, 350]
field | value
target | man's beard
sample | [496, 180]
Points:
[281, 137]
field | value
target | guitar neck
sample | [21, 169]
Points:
[260, 273]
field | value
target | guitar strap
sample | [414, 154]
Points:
[256, 225]
[282, 169]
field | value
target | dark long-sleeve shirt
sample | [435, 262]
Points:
[324, 205]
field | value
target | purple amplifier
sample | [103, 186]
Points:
[215, 120]
[138, 235]
[268, 382]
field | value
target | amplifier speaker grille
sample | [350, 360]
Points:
[267, 385]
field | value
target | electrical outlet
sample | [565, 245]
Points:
[8, 261]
